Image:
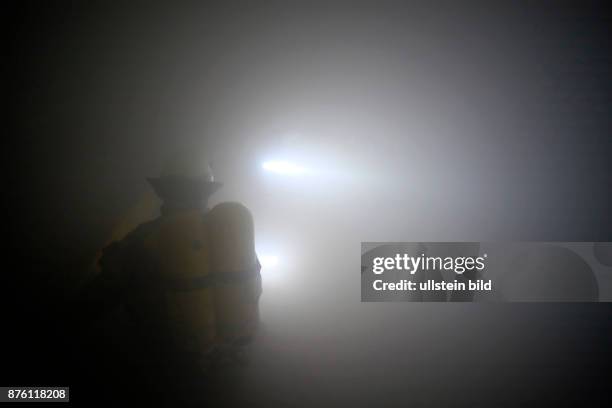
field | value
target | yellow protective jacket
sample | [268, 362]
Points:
[191, 279]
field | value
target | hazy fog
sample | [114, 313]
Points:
[418, 123]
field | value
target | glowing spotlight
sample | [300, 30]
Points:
[268, 261]
[284, 168]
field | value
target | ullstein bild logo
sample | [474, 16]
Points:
[486, 272]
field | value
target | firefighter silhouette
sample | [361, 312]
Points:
[190, 279]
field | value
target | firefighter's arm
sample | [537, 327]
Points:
[105, 291]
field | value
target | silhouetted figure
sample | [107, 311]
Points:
[189, 281]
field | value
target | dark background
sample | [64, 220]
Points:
[479, 121]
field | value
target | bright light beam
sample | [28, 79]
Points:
[269, 268]
[268, 261]
[284, 168]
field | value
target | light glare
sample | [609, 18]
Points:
[268, 261]
[284, 168]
